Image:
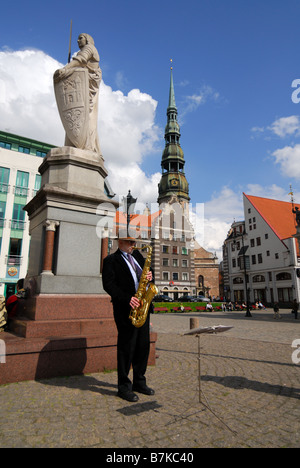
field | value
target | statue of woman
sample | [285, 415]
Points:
[88, 58]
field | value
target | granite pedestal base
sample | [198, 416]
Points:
[61, 335]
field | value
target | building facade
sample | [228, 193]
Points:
[206, 273]
[261, 259]
[20, 159]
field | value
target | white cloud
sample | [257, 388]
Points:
[126, 123]
[286, 126]
[289, 160]
[283, 127]
[27, 97]
[191, 103]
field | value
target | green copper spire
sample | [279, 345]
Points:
[172, 103]
[173, 181]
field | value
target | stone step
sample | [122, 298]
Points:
[27, 328]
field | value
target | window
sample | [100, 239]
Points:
[175, 262]
[238, 280]
[18, 218]
[252, 243]
[266, 236]
[283, 276]
[185, 276]
[4, 178]
[21, 187]
[165, 262]
[24, 149]
[165, 275]
[200, 281]
[258, 241]
[5, 145]
[165, 249]
[38, 181]
[2, 213]
[14, 255]
[285, 294]
[259, 258]
[277, 256]
[175, 276]
[258, 279]
[175, 250]
[253, 259]
[184, 263]
[184, 251]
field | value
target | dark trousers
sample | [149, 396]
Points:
[132, 350]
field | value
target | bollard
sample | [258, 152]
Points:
[2, 352]
[194, 323]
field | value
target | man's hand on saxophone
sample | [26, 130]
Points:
[134, 302]
[149, 276]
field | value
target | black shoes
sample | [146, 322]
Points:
[143, 389]
[128, 396]
[132, 397]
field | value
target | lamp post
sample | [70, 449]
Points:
[248, 313]
[129, 203]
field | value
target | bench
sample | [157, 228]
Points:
[178, 309]
[160, 309]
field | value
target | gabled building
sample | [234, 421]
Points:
[261, 253]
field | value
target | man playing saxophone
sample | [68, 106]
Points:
[120, 276]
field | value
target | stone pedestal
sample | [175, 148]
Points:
[66, 324]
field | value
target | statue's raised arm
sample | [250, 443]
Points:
[77, 90]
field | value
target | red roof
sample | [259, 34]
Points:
[144, 221]
[277, 214]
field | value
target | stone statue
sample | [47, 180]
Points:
[77, 90]
[297, 212]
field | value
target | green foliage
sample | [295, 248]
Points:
[172, 305]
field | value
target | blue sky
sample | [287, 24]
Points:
[234, 62]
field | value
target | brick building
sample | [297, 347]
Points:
[206, 272]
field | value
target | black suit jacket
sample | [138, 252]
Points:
[118, 281]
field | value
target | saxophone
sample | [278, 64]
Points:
[145, 295]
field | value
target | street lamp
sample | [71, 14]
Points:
[248, 313]
[128, 203]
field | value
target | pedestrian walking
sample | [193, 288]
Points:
[295, 308]
[276, 311]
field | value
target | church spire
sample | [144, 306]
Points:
[173, 181]
[172, 103]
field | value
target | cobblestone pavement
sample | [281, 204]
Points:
[250, 393]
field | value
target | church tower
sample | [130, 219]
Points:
[173, 181]
[173, 242]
